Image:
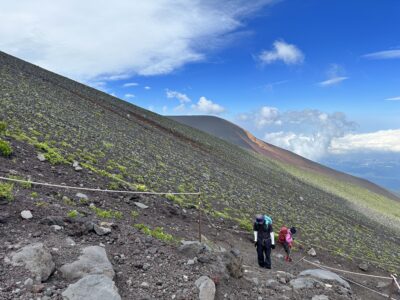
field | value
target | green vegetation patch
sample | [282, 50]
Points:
[6, 191]
[107, 214]
[3, 126]
[157, 233]
[51, 154]
[5, 148]
[73, 213]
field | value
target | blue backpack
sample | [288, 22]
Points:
[267, 220]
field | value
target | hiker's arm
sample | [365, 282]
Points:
[255, 232]
[272, 236]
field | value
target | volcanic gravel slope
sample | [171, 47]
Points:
[121, 146]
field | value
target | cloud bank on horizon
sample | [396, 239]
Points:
[315, 134]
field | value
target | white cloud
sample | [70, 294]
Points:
[151, 107]
[332, 81]
[75, 38]
[387, 54]
[208, 107]
[180, 108]
[381, 141]
[147, 88]
[335, 76]
[283, 51]
[164, 109]
[183, 98]
[129, 96]
[393, 99]
[129, 84]
[308, 133]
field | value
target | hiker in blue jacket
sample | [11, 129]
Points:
[264, 240]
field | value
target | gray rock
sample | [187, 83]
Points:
[320, 297]
[4, 216]
[70, 242]
[78, 168]
[382, 284]
[141, 205]
[192, 249]
[271, 283]
[37, 259]
[28, 283]
[56, 227]
[206, 287]
[26, 214]
[93, 261]
[325, 275]
[304, 283]
[363, 267]
[312, 252]
[53, 220]
[101, 230]
[75, 164]
[92, 287]
[82, 196]
[41, 157]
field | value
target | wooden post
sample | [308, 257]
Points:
[199, 198]
[391, 289]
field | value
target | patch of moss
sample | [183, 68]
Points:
[106, 214]
[6, 191]
[157, 233]
[73, 213]
[5, 148]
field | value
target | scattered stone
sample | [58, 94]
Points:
[37, 259]
[82, 196]
[70, 242]
[206, 287]
[92, 287]
[4, 217]
[92, 261]
[363, 267]
[325, 275]
[28, 283]
[382, 284]
[192, 248]
[320, 297]
[38, 288]
[41, 157]
[190, 262]
[141, 205]
[101, 230]
[26, 214]
[304, 283]
[53, 220]
[145, 285]
[56, 227]
[312, 252]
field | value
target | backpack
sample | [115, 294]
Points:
[267, 220]
[282, 234]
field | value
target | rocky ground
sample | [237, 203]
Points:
[47, 252]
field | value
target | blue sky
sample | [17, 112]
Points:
[320, 78]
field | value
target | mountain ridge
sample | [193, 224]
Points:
[234, 134]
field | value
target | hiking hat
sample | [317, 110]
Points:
[293, 230]
[260, 219]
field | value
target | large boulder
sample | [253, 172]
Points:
[305, 283]
[92, 261]
[192, 249]
[206, 288]
[92, 287]
[37, 259]
[325, 275]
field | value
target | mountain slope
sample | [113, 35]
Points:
[132, 148]
[242, 138]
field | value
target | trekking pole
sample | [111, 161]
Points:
[199, 199]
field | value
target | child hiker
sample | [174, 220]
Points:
[286, 239]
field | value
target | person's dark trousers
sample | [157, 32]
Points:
[264, 253]
[287, 248]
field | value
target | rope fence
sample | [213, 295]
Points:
[93, 189]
